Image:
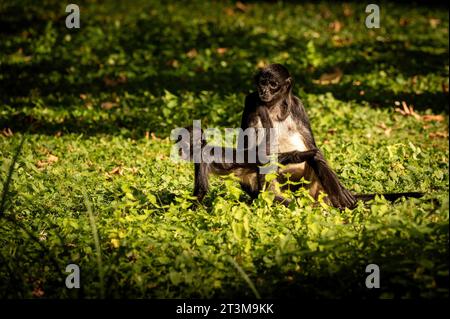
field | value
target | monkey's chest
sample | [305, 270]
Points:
[287, 136]
[289, 139]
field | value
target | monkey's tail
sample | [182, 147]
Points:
[389, 196]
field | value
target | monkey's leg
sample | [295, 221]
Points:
[201, 180]
[279, 198]
[273, 187]
[338, 195]
[261, 179]
[254, 194]
[249, 190]
[249, 183]
[294, 157]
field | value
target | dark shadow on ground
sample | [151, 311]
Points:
[22, 80]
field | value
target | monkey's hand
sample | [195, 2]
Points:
[296, 157]
[300, 157]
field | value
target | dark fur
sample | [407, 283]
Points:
[203, 170]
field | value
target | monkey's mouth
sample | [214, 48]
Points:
[264, 97]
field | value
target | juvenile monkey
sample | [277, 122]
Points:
[246, 171]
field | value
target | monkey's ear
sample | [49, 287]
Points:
[289, 82]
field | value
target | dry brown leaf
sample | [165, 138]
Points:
[83, 96]
[147, 135]
[387, 130]
[154, 137]
[118, 170]
[38, 292]
[443, 134]
[407, 110]
[432, 117]
[43, 235]
[330, 78]
[7, 132]
[434, 22]
[51, 159]
[335, 26]
[445, 87]
[221, 50]
[400, 111]
[339, 41]
[108, 105]
[229, 11]
[133, 170]
[413, 113]
[241, 6]
[192, 53]
[161, 157]
[173, 63]
[382, 125]
[347, 10]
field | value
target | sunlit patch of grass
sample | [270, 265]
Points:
[89, 101]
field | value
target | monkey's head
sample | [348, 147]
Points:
[273, 83]
[188, 142]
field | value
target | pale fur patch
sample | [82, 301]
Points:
[289, 139]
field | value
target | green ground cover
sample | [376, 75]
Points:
[95, 107]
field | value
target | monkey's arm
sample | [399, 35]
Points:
[338, 195]
[296, 157]
[293, 157]
[249, 118]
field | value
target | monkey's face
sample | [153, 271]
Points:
[271, 87]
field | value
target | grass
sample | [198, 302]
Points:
[95, 107]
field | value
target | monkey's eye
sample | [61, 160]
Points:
[273, 84]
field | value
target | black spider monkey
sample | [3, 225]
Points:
[246, 171]
[284, 112]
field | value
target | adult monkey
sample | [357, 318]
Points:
[289, 119]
